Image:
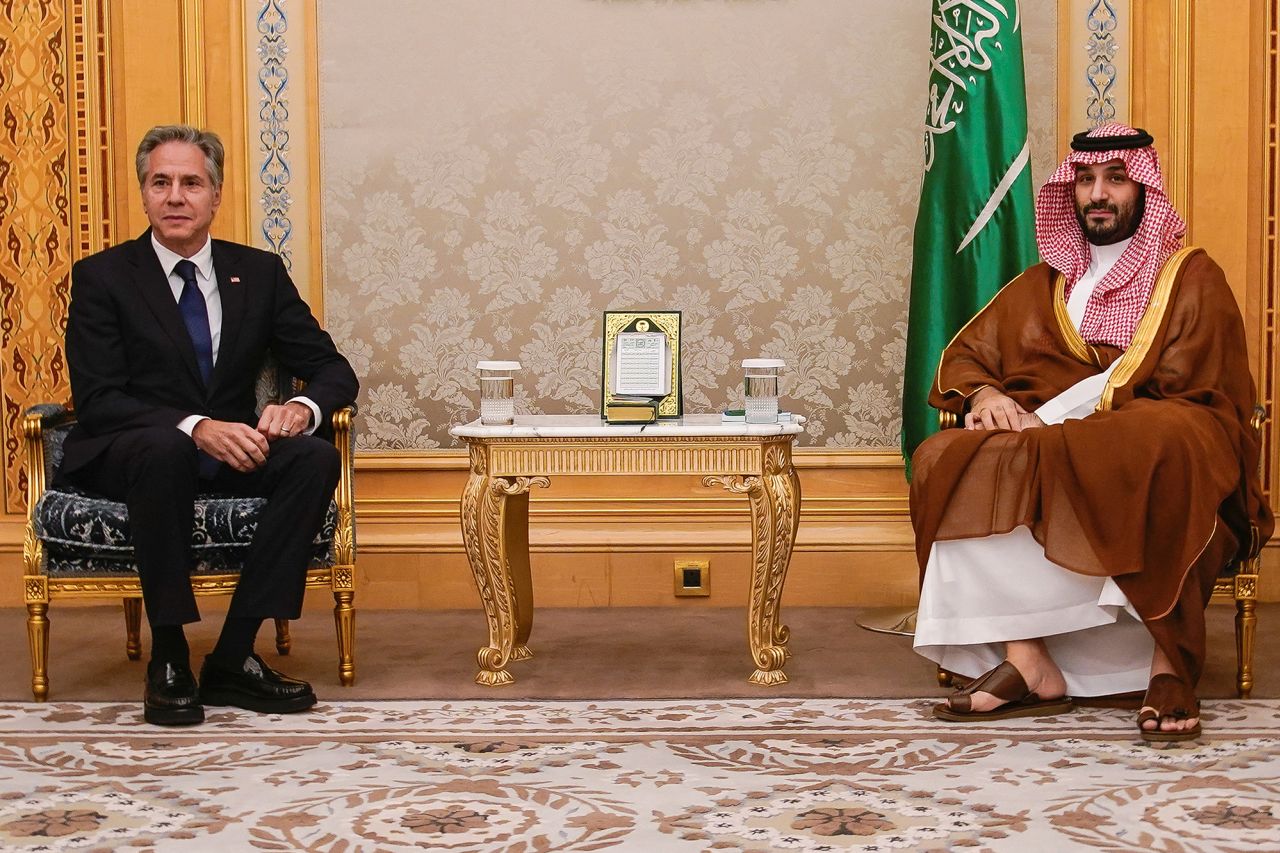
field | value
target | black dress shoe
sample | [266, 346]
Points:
[254, 687]
[171, 697]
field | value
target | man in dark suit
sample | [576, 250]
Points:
[165, 337]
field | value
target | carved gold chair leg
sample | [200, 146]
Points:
[344, 618]
[133, 628]
[283, 642]
[1246, 628]
[38, 638]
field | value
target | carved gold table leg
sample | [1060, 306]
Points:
[495, 529]
[775, 513]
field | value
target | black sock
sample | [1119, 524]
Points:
[235, 643]
[169, 645]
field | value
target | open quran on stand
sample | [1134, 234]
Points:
[641, 375]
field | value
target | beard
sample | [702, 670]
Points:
[1124, 221]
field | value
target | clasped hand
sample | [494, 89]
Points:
[245, 448]
[992, 410]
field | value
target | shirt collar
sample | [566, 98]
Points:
[203, 258]
[1104, 257]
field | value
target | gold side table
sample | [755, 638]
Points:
[507, 461]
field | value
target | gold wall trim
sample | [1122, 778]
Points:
[1268, 351]
[248, 70]
[193, 87]
[1181, 76]
[95, 168]
[311, 117]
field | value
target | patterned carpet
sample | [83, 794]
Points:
[731, 775]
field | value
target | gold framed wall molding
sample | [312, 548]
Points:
[193, 63]
[1268, 294]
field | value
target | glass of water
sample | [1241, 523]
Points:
[761, 387]
[497, 392]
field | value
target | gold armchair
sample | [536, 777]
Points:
[1239, 581]
[76, 545]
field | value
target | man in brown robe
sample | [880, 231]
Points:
[1107, 468]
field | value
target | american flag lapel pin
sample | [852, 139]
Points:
[235, 279]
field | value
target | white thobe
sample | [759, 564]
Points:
[979, 593]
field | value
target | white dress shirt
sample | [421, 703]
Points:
[208, 284]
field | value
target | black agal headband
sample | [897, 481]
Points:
[1138, 139]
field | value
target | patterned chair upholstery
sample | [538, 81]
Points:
[77, 545]
[1238, 581]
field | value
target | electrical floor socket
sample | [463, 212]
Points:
[693, 577]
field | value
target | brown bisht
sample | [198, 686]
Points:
[1157, 489]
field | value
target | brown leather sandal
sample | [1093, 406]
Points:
[1003, 682]
[1168, 696]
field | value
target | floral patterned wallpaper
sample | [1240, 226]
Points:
[498, 173]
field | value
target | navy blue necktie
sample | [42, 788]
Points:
[195, 316]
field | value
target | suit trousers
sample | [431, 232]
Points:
[154, 472]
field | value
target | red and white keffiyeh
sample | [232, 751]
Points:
[1118, 301]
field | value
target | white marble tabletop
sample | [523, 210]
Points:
[591, 426]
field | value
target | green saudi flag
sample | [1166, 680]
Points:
[975, 229]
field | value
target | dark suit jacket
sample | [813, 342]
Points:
[132, 363]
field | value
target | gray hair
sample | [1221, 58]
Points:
[206, 140]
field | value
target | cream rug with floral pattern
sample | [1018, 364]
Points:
[732, 775]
